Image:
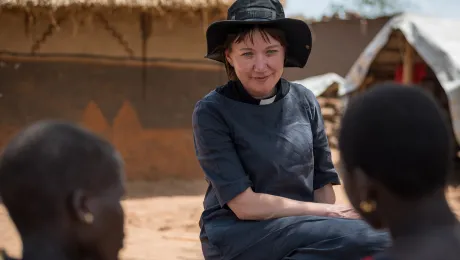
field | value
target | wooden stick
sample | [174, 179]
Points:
[28, 26]
[170, 22]
[408, 63]
[53, 20]
[75, 24]
[89, 20]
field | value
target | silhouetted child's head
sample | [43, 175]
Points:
[395, 146]
[62, 184]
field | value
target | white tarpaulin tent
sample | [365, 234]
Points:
[319, 84]
[436, 40]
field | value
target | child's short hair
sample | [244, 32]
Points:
[47, 161]
[398, 136]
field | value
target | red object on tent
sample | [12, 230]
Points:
[419, 73]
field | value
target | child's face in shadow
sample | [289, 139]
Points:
[363, 194]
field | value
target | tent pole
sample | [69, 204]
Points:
[408, 63]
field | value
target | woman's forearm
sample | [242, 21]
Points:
[326, 194]
[259, 206]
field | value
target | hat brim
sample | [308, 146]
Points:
[297, 33]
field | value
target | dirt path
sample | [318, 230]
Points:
[162, 220]
[158, 226]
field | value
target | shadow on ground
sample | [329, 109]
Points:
[165, 188]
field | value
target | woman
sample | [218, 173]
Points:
[62, 187]
[397, 152]
[261, 143]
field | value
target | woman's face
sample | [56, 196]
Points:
[258, 64]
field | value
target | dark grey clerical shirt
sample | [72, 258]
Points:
[276, 146]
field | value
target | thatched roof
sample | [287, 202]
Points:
[194, 4]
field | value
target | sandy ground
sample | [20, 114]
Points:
[162, 220]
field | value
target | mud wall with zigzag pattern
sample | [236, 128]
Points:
[152, 129]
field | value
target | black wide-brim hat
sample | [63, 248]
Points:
[261, 12]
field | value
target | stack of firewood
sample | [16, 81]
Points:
[331, 108]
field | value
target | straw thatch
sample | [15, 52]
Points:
[194, 4]
[172, 10]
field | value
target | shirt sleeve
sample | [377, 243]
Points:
[216, 153]
[325, 172]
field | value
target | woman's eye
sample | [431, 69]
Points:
[272, 51]
[247, 54]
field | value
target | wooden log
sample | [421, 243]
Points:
[334, 102]
[368, 81]
[329, 128]
[333, 142]
[328, 113]
[322, 101]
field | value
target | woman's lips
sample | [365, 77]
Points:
[261, 79]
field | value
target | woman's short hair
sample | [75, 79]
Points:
[247, 33]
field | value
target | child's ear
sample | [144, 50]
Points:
[364, 186]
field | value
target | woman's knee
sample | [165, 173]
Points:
[359, 234]
[344, 232]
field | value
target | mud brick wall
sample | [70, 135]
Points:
[153, 132]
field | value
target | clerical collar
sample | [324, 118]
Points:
[235, 90]
[267, 101]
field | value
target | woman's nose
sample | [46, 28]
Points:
[260, 63]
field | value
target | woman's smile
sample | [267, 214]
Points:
[261, 79]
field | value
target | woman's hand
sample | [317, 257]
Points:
[342, 211]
